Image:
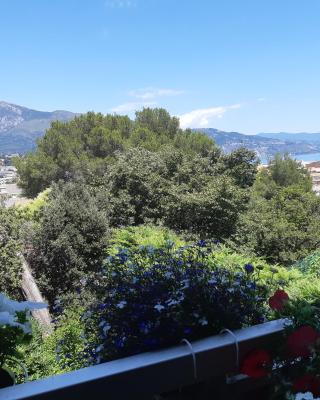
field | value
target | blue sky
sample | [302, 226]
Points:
[244, 65]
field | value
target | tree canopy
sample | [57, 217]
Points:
[10, 263]
[69, 241]
[88, 144]
[282, 223]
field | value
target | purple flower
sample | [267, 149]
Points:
[187, 331]
[249, 268]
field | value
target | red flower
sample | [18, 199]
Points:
[307, 383]
[278, 300]
[300, 342]
[256, 364]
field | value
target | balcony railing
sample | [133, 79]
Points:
[144, 375]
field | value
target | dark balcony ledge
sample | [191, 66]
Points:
[142, 375]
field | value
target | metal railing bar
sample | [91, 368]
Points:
[140, 376]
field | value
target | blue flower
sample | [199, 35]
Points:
[157, 299]
[249, 268]
[151, 342]
[119, 343]
[187, 331]
[144, 328]
[102, 306]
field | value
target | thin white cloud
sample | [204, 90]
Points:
[132, 106]
[261, 99]
[201, 118]
[120, 3]
[152, 93]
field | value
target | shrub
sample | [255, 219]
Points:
[180, 191]
[143, 235]
[32, 210]
[270, 275]
[69, 242]
[282, 229]
[10, 263]
[151, 298]
[88, 143]
[59, 352]
[310, 264]
[15, 327]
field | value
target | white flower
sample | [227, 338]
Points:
[186, 284]
[13, 306]
[305, 396]
[203, 321]
[159, 307]
[99, 348]
[9, 308]
[8, 319]
[172, 302]
[106, 328]
[87, 315]
[122, 304]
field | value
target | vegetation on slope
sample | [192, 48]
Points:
[126, 198]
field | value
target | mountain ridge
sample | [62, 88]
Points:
[21, 126]
[265, 147]
[309, 137]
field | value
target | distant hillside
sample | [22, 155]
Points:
[21, 126]
[265, 147]
[294, 137]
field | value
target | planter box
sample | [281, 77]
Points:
[6, 378]
[144, 375]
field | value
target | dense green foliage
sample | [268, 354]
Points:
[114, 172]
[31, 211]
[87, 145]
[151, 298]
[12, 335]
[285, 171]
[134, 237]
[69, 242]
[122, 201]
[310, 264]
[196, 194]
[282, 223]
[10, 263]
[59, 352]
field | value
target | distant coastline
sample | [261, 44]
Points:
[304, 158]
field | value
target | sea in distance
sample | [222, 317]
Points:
[306, 158]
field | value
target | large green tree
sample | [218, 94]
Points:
[88, 144]
[187, 193]
[68, 243]
[10, 262]
[282, 223]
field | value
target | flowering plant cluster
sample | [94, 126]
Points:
[15, 326]
[152, 298]
[295, 365]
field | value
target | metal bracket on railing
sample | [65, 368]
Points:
[195, 371]
[22, 366]
[230, 379]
